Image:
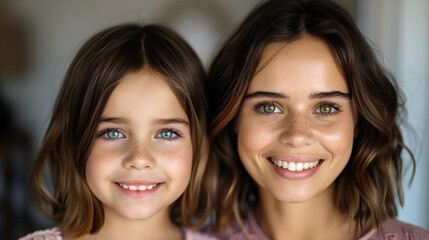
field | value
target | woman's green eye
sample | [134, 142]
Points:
[113, 134]
[325, 108]
[267, 108]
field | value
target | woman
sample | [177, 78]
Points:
[305, 129]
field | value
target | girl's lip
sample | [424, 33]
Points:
[135, 182]
[137, 191]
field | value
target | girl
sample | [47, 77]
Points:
[305, 129]
[126, 140]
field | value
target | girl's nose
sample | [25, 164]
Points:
[140, 157]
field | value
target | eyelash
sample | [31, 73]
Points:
[104, 133]
[173, 131]
[335, 108]
[260, 105]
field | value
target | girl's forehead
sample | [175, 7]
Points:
[144, 93]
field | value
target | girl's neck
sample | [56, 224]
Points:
[317, 218]
[157, 227]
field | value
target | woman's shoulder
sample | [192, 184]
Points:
[396, 230]
[197, 235]
[250, 229]
[47, 234]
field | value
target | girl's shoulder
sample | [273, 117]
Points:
[197, 235]
[47, 234]
[396, 230]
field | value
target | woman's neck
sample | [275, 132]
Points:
[317, 218]
[157, 227]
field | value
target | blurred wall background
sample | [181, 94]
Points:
[38, 40]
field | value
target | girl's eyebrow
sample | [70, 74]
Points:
[283, 96]
[113, 120]
[171, 121]
[157, 121]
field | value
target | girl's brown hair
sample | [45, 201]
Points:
[370, 185]
[91, 78]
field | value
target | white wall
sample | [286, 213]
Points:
[399, 30]
[56, 30]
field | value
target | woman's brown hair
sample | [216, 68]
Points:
[91, 78]
[369, 187]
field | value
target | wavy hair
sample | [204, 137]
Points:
[96, 70]
[370, 185]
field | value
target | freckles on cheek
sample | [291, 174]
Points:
[178, 158]
[338, 138]
[253, 137]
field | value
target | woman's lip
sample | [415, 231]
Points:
[295, 170]
[293, 158]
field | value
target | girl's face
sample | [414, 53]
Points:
[141, 159]
[296, 125]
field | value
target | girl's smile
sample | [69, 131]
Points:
[141, 161]
[138, 190]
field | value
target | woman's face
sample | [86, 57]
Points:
[296, 124]
[141, 159]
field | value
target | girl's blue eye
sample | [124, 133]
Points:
[167, 134]
[113, 134]
[268, 108]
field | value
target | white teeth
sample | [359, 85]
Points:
[299, 166]
[139, 188]
[306, 165]
[291, 166]
[294, 166]
[284, 164]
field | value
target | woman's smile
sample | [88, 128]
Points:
[295, 127]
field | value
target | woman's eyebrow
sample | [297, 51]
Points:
[330, 95]
[314, 95]
[265, 94]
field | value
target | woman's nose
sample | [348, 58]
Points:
[296, 130]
